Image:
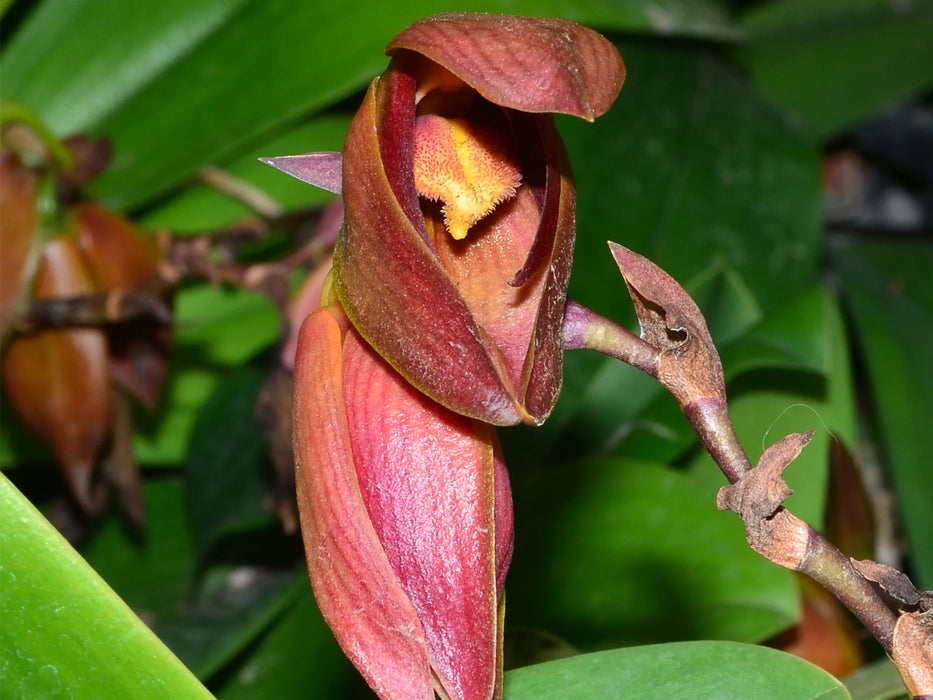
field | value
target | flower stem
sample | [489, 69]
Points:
[14, 113]
[709, 418]
[586, 329]
[773, 531]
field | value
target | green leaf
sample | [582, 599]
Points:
[65, 633]
[49, 67]
[837, 62]
[225, 486]
[800, 336]
[693, 169]
[607, 554]
[688, 670]
[297, 655]
[887, 291]
[240, 72]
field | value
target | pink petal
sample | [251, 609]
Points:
[354, 584]
[428, 478]
[322, 169]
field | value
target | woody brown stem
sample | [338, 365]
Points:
[93, 310]
[709, 418]
[829, 567]
[675, 347]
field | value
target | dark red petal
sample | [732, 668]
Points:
[531, 64]
[544, 367]
[398, 295]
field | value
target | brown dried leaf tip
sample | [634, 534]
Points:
[689, 365]
[912, 652]
[912, 646]
[895, 583]
[757, 498]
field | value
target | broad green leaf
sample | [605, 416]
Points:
[76, 61]
[837, 62]
[686, 670]
[297, 658]
[65, 633]
[206, 614]
[243, 71]
[879, 680]
[800, 335]
[228, 475]
[612, 552]
[693, 169]
[886, 287]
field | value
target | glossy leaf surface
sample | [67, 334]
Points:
[698, 669]
[62, 622]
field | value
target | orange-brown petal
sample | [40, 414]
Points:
[58, 380]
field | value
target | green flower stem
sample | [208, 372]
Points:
[13, 113]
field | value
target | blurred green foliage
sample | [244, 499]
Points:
[709, 163]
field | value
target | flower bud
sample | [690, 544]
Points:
[456, 252]
[58, 380]
[406, 516]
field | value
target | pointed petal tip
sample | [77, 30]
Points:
[322, 169]
[624, 257]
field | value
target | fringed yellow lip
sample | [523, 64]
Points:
[468, 167]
